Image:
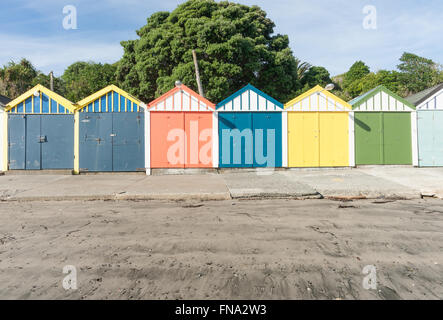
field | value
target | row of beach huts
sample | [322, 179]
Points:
[112, 131]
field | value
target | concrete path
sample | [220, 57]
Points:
[370, 182]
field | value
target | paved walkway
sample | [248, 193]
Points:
[370, 182]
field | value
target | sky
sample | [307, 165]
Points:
[328, 33]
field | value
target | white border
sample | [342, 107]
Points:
[215, 146]
[147, 140]
[285, 146]
[414, 138]
[351, 139]
[2, 145]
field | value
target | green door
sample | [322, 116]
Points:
[397, 138]
[368, 138]
[383, 138]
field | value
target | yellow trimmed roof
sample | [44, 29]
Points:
[314, 90]
[86, 101]
[51, 94]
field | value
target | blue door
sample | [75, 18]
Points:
[430, 138]
[267, 139]
[236, 140]
[128, 153]
[95, 145]
[39, 142]
[34, 140]
[112, 142]
[57, 147]
[17, 141]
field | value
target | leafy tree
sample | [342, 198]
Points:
[418, 73]
[82, 79]
[45, 80]
[357, 71]
[314, 76]
[302, 68]
[17, 78]
[234, 43]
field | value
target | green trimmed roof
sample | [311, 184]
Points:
[420, 97]
[362, 97]
[356, 102]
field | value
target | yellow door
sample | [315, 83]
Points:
[334, 139]
[303, 139]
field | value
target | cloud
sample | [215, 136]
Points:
[326, 33]
[56, 53]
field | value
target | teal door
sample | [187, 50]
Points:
[267, 139]
[430, 138]
[236, 141]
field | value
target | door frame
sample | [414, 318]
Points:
[215, 144]
[285, 135]
[77, 137]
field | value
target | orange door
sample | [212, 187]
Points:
[167, 140]
[198, 127]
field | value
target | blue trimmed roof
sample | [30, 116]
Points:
[252, 88]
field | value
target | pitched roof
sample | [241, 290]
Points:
[356, 102]
[4, 100]
[254, 89]
[84, 102]
[422, 96]
[56, 97]
[363, 96]
[192, 99]
[319, 90]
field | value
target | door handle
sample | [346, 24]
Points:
[43, 139]
[112, 135]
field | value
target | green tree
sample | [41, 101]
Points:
[45, 80]
[84, 78]
[17, 78]
[418, 73]
[315, 76]
[357, 72]
[235, 45]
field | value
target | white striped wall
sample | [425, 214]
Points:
[433, 103]
[318, 102]
[249, 101]
[180, 101]
[383, 102]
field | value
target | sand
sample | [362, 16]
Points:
[279, 249]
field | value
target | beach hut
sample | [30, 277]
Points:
[110, 132]
[250, 130]
[385, 129]
[320, 130]
[40, 131]
[429, 104]
[3, 127]
[183, 130]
